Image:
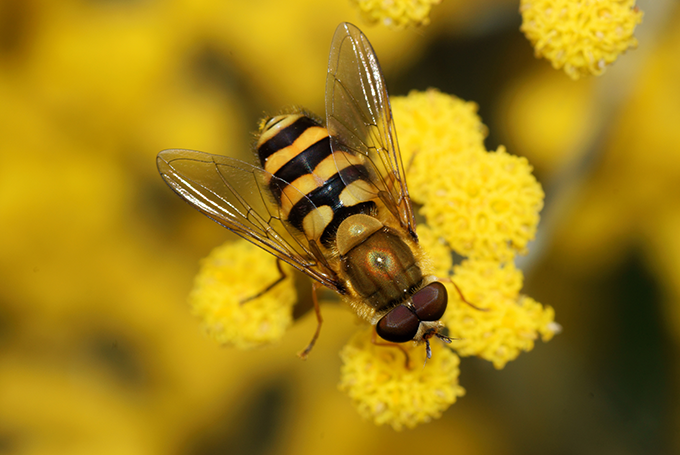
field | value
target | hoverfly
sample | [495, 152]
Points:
[330, 201]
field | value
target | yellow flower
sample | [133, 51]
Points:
[396, 13]
[581, 36]
[223, 294]
[388, 389]
[510, 321]
[438, 252]
[481, 205]
[484, 204]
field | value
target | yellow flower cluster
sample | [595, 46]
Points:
[511, 321]
[396, 13]
[481, 205]
[580, 36]
[391, 386]
[484, 206]
[223, 294]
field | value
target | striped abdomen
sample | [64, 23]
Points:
[296, 150]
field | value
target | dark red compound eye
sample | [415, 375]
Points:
[430, 302]
[399, 325]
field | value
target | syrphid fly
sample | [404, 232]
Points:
[330, 200]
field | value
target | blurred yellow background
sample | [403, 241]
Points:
[98, 350]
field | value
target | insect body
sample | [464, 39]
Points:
[331, 201]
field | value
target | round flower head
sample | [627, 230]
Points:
[506, 322]
[228, 296]
[580, 36]
[393, 385]
[483, 204]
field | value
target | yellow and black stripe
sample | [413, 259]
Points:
[315, 188]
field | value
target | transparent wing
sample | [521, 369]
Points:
[359, 118]
[234, 194]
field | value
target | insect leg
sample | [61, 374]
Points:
[410, 161]
[303, 355]
[460, 293]
[282, 276]
[375, 341]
